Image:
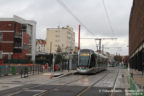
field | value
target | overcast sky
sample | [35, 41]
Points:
[50, 14]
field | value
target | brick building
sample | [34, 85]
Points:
[136, 35]
[17, 38]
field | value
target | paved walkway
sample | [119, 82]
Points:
[138, 78]
[7, 82]
[122, 79]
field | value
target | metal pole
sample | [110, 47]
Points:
[97, 47]
[100, 45]
[53, 62]
[102, 48]
[70, 61]
[79, 39]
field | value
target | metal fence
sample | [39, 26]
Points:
[61, 62]
[21, 69]
[134, 90]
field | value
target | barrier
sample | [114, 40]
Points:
[135, 91]
[13, 70]
[51, 76]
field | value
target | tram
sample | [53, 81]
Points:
[91, 62]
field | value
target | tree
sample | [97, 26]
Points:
[118, 58]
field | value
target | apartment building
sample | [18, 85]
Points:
[17, 38]
[62, 38]
[40, 45]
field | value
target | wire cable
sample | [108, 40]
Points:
[75, 17]
[107, 15]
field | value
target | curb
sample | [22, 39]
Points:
[64, 75]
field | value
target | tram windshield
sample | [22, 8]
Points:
[84, 60]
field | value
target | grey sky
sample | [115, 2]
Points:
[49, 13]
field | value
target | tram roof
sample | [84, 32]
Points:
[99, 54]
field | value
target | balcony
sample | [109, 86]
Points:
[23, 30]
[18, 35]
[18, 46]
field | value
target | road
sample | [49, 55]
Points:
[107, 83]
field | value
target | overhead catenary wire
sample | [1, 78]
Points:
[74, 16]
[108, 18]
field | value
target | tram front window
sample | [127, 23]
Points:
[83, 61]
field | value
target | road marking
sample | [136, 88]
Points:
[112, 91]
[85, 90]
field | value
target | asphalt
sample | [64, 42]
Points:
[8, 82]
[69, 84]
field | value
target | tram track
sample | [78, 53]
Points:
[113, 87]
[47, 91]
[86, 89]
[79, 94]
[44, 92]
[34, 86]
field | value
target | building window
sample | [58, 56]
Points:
[24, 27]
[1, 36]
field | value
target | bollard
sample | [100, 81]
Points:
[4, 68]
[51, 76]
[33, 69]
[21, 73]
[131, 74]
[13, 70]
[26, 72]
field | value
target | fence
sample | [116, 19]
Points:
[134, 90]
[14, 69]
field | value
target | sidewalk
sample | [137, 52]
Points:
[60, 74]
[138, 78]
[8, 82]
[123, 79]
[137, 82]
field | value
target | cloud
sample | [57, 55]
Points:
[49, 13]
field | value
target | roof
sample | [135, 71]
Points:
[19, 20]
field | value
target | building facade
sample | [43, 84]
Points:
[40, 45]
[136, 35]
[17, 38]
[76, 50]
[60, 38]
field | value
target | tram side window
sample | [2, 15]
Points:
[102, 62]
[92, 64]
[98, 61]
